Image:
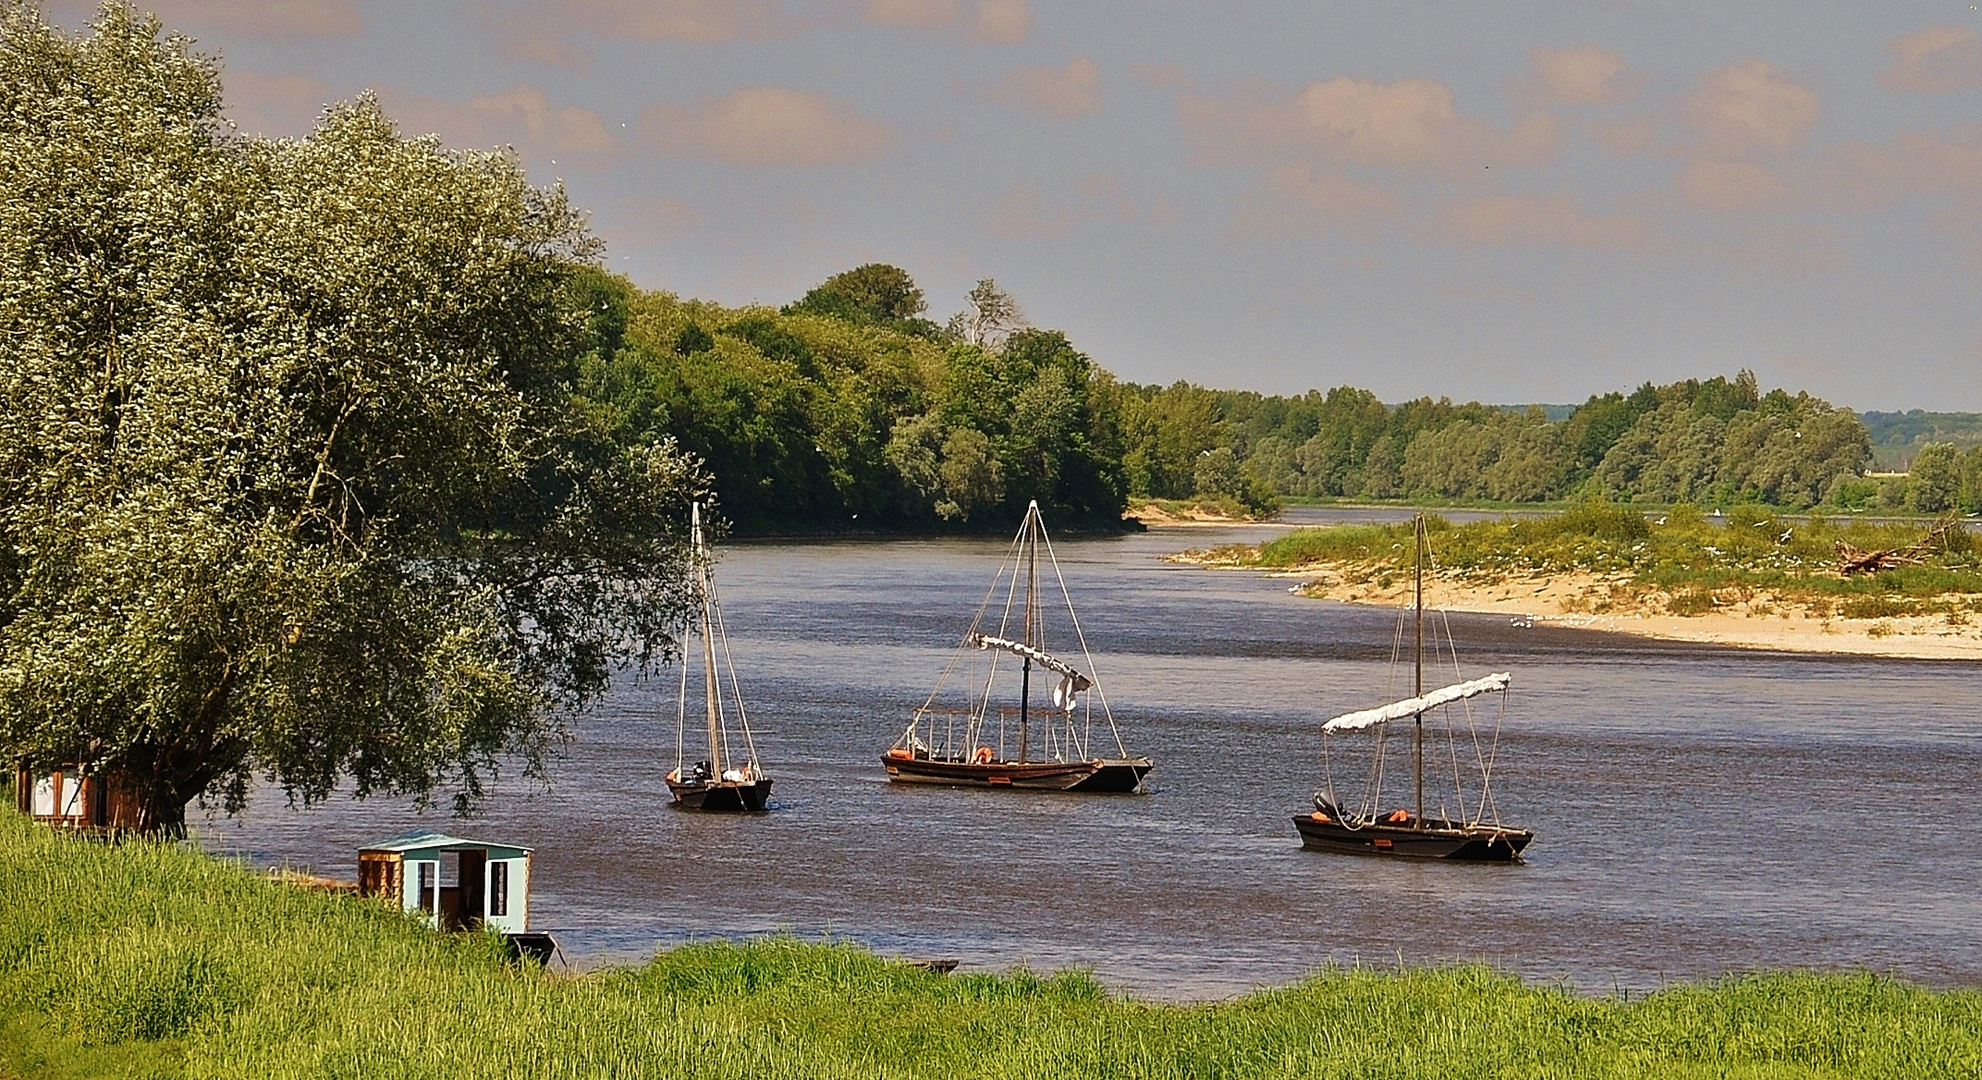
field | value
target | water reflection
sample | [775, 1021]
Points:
[1699, 810]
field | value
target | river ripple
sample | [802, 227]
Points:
[1699, 810]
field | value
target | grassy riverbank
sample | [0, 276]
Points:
[1748, 579]
[152, 961]
[1680, 561]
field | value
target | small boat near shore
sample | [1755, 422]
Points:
[1021, 746]
[721, 781]
[1366, 829]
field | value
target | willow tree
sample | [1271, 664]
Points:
[290, 486]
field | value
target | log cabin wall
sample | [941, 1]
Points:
[75, 797]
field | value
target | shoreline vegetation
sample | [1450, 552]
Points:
[1749, 579]
[152, 960]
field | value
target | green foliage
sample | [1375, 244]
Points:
[1897, 437]
[290, 481]
[1721, 442]
[1684, 553]
[815, 419]
[1717, 440]
[874, 293]
[244, 977]
[1935, 482]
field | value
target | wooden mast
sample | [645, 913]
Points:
[1031, 586]
[1418, 688]
[708, 648]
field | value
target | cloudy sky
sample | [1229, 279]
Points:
[1511, 202]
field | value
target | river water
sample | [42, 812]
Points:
[1699, 810]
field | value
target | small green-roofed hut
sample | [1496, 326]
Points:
[459, 884]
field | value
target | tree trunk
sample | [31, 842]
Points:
[165, 781]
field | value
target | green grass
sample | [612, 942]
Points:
[1680, 552]
[159, 961]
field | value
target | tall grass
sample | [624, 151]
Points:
[1681, 552]
[144, 960]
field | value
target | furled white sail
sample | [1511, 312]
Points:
[1409, 707]
[986, 641]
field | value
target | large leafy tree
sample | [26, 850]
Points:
[289, 482]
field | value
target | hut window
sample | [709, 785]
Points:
[499, 888]
[427, 876]
[44, 796]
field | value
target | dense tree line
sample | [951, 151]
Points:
[1714, 440]
[1944, 477]
[1897, 437]
[850, 410]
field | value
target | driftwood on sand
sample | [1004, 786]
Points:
[1854, 560]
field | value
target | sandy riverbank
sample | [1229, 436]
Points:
[1593, 602]
[1156, 516]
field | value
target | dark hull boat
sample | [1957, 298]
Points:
[723, 795]
[1437, 839]
[1120, 776]
[1411, 834]
[718, 783]
[1057, 742]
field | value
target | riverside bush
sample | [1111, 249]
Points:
[151, 960]
[1682, 552]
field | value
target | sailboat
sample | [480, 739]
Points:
[1366, 829]
[719, 781]
[1020, 746]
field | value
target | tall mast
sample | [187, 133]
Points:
[1031, 613]
[1418, 688]
[708, 644]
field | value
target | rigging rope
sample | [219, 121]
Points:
[1371, 799]
[736, 691]
[1081, 636]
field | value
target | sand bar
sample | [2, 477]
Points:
[1594, 602]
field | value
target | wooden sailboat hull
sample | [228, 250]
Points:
[1437, 840]
[1116, 776]
[1096, 775]
[722, 796]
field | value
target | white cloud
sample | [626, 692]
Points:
[1748, 107]
[768, 126]
[522, 116]
[1410, 124]
[1582, 76]
[1935, 60]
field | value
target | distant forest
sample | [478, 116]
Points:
[850, 410]
[1898, 437]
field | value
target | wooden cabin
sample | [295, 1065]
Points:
[459, 884]
[76, 797]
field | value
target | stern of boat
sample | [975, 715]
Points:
[1116, 776]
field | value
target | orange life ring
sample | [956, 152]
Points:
[983, 755]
